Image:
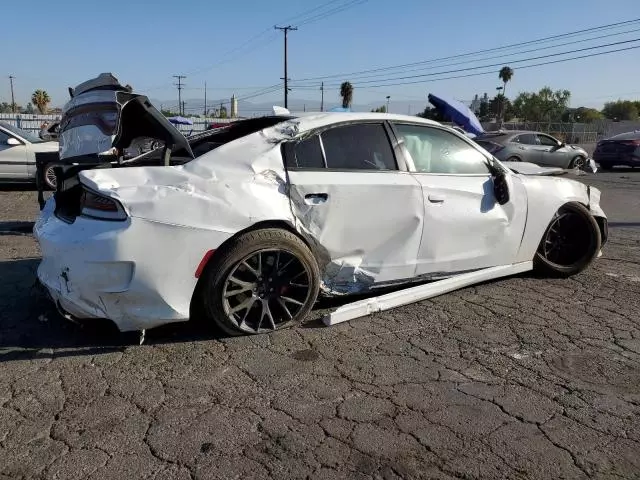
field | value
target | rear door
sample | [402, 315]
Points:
[465, 228]
[13, 158]
[361, 205]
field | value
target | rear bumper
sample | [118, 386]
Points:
[138, 274]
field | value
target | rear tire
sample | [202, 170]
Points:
[265, 280]
[513, 159]
[570, 243]
[50, 177]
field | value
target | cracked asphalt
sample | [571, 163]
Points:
[518, 378]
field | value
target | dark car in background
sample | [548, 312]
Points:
[622, 149]
[534, 147]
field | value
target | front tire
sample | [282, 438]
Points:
[570, 243]
[265, 280]
[578, 162]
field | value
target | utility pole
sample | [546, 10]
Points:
[205, 99]
[13, 100]
[180, 86]
[286, 78]
[388, 97]
[322, 97]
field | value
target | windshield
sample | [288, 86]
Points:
[21, 133]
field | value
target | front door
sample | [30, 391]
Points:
[553, 154]
[465, 228]
[13, 158]
[365, 213]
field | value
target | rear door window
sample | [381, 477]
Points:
[526, 139]
[358, 147]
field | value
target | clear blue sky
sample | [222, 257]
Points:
[69, 41]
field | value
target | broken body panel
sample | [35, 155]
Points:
[366, 229]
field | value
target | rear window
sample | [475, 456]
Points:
[102, 115]
[526, 139]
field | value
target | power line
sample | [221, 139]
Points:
[501, 56]
[329, 13]
[303, 19]
[493, 72]
[486, 50]
[539, 57]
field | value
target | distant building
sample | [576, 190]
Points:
[234, 106]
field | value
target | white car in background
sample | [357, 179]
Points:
[18, 151]
[249, 223]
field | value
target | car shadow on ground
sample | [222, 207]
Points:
[31, 327]
[18, 187]
[16, 228]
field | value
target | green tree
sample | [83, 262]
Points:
[432, 114]
[41, 99]
[29, 109]
[346, 92]
[501, 107]
[505, 74]
[382, 109]
[484, 110]
[545, 105]
[223, 112]
[621, 110]
[582, 115]
[5, 107]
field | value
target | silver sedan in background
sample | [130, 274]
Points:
[533, 147]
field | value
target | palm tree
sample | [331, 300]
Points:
[505, 74]
[346, 92]
[41, 99]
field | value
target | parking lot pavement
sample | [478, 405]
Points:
[517, 378]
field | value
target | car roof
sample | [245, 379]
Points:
[310, 122]
[626, 136]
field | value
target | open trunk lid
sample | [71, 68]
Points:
[103, 118]
[99, 123]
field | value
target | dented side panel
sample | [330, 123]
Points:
[368, 224]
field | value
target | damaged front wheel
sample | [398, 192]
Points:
[264, 281]
[571, 242]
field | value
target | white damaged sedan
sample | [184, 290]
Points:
[249, 223]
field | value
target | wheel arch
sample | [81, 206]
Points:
[264, 224]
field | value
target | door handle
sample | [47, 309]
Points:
[315, 198]
[436, 198]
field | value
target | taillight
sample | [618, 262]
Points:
[94, 205]
[635, 143]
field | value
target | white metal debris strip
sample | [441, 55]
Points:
[421, 292]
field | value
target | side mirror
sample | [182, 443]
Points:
[12, 142]
[500, 188]
[500, 184]
[562, 145]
